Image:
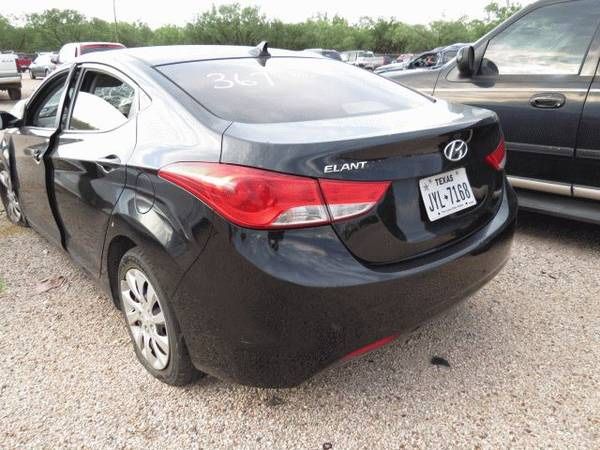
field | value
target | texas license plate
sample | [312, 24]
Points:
[446, 193]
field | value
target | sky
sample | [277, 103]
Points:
[160, 12]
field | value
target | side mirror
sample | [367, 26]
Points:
[7, 120]
[54, 59]
[465, 61]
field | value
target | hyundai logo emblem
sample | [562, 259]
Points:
[456, 150]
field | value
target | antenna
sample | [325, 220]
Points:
[115, 17]
[261, 50]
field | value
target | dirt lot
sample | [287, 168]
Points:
[524, 369]
[523, 356]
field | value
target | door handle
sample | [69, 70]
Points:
[108, 163]
[547, 101]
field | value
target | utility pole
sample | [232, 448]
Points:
[115, 17]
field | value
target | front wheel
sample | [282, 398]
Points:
[31, 75]
[9, 197]
[153, 328]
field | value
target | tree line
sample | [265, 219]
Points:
[236, 25]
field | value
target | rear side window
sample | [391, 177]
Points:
[103, 102]
[288, 89]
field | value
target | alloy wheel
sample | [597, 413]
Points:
[13, 209]
[145, 318]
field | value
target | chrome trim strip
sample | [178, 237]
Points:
[551, 187]
[586, 192]
[587, 153]
[540, 149]
[532, 91]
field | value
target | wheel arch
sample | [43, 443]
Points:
[122, 236]
[157, 233]
[117, 248]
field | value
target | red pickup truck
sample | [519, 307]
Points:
[23, 62]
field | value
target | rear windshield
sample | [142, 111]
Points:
[288, 89]
[332, 55]
[98, 48]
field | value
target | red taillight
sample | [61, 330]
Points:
[497, 159]
[351, 198]
[370, 347]
[256, 198]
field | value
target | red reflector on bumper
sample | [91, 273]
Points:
[370, 347]
[497, 159]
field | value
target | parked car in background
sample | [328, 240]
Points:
[364, 59]
[42, 66]
[391, 67]
[404, 57]
[387, 59]
[69, 52]
[24, 61]
[329, 53]
[10, 78]
[428, 60]
[258, 214]
[538, 72]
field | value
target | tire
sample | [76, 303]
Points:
[46, 73]
[10, 199]
[14, 94]
[31, 75]
[148, 339]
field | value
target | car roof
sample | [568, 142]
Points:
[456, 46]
[172, 54]
[97, 43]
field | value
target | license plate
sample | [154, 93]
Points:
[446, 193]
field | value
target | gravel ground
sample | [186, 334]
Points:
[523, 356]
[28, 85]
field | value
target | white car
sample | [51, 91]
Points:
[69, 52]
[362, 58]
[10, 78]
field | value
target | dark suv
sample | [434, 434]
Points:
[539, 72]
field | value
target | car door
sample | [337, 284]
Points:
[30, 144]
[535, 73]
[89, 159]
[586, 176]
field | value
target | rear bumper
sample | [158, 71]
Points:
[273, 308]
[10, 82]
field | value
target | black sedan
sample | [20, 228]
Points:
[258, 215]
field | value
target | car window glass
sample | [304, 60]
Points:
[45, 110]
[289, 89]
[448, 56]
[427, 60]
[102, 103]
[549, 40]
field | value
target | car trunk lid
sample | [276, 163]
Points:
[402, 147]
